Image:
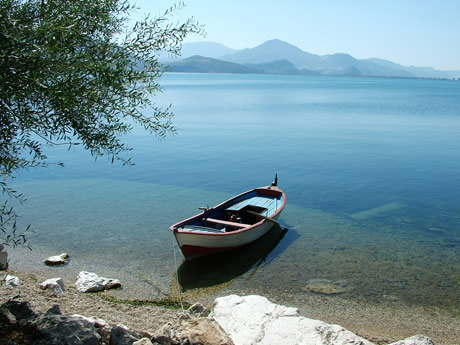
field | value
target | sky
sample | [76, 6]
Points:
[408, 32]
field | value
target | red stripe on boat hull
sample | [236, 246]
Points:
[194, 252]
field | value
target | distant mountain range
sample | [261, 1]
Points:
[278, 57]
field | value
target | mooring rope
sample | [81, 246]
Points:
[177, 276]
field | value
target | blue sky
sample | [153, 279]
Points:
[409, 32]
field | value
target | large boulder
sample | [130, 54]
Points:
[254, 320]
[20, 325]
[91, 282]
[12, 311]
[57, 329]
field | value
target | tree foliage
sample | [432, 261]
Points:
[73, 72]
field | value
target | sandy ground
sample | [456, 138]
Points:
[380, 324]
[138, 318]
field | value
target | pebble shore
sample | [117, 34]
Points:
[380, 324]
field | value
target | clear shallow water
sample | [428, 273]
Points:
[370, 168]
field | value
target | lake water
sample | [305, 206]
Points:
[370, 168]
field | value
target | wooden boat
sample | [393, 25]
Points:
[231, 224]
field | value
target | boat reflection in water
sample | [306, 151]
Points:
[222, 268]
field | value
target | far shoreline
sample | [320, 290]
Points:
[317, 76]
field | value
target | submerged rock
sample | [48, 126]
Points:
[91, 282]
[377, 211]
[326, 287]
[57, 259]
[54, 284]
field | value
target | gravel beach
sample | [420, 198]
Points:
[380, 324]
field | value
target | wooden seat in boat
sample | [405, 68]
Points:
[226, 222]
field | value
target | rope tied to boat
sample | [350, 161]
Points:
[177, 274]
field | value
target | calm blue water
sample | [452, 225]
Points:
[370, 167]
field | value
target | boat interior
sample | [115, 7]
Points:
[238, 214]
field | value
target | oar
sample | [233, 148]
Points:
[266, 218]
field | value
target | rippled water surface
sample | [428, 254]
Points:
[370, 167]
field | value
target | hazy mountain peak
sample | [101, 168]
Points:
[276, 43]
[272, 50]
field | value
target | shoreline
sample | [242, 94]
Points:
[379, 323]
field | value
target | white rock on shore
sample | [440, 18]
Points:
[254, 320]
[415, 340]
[11, 281]
[90, 282]
[54, 284]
